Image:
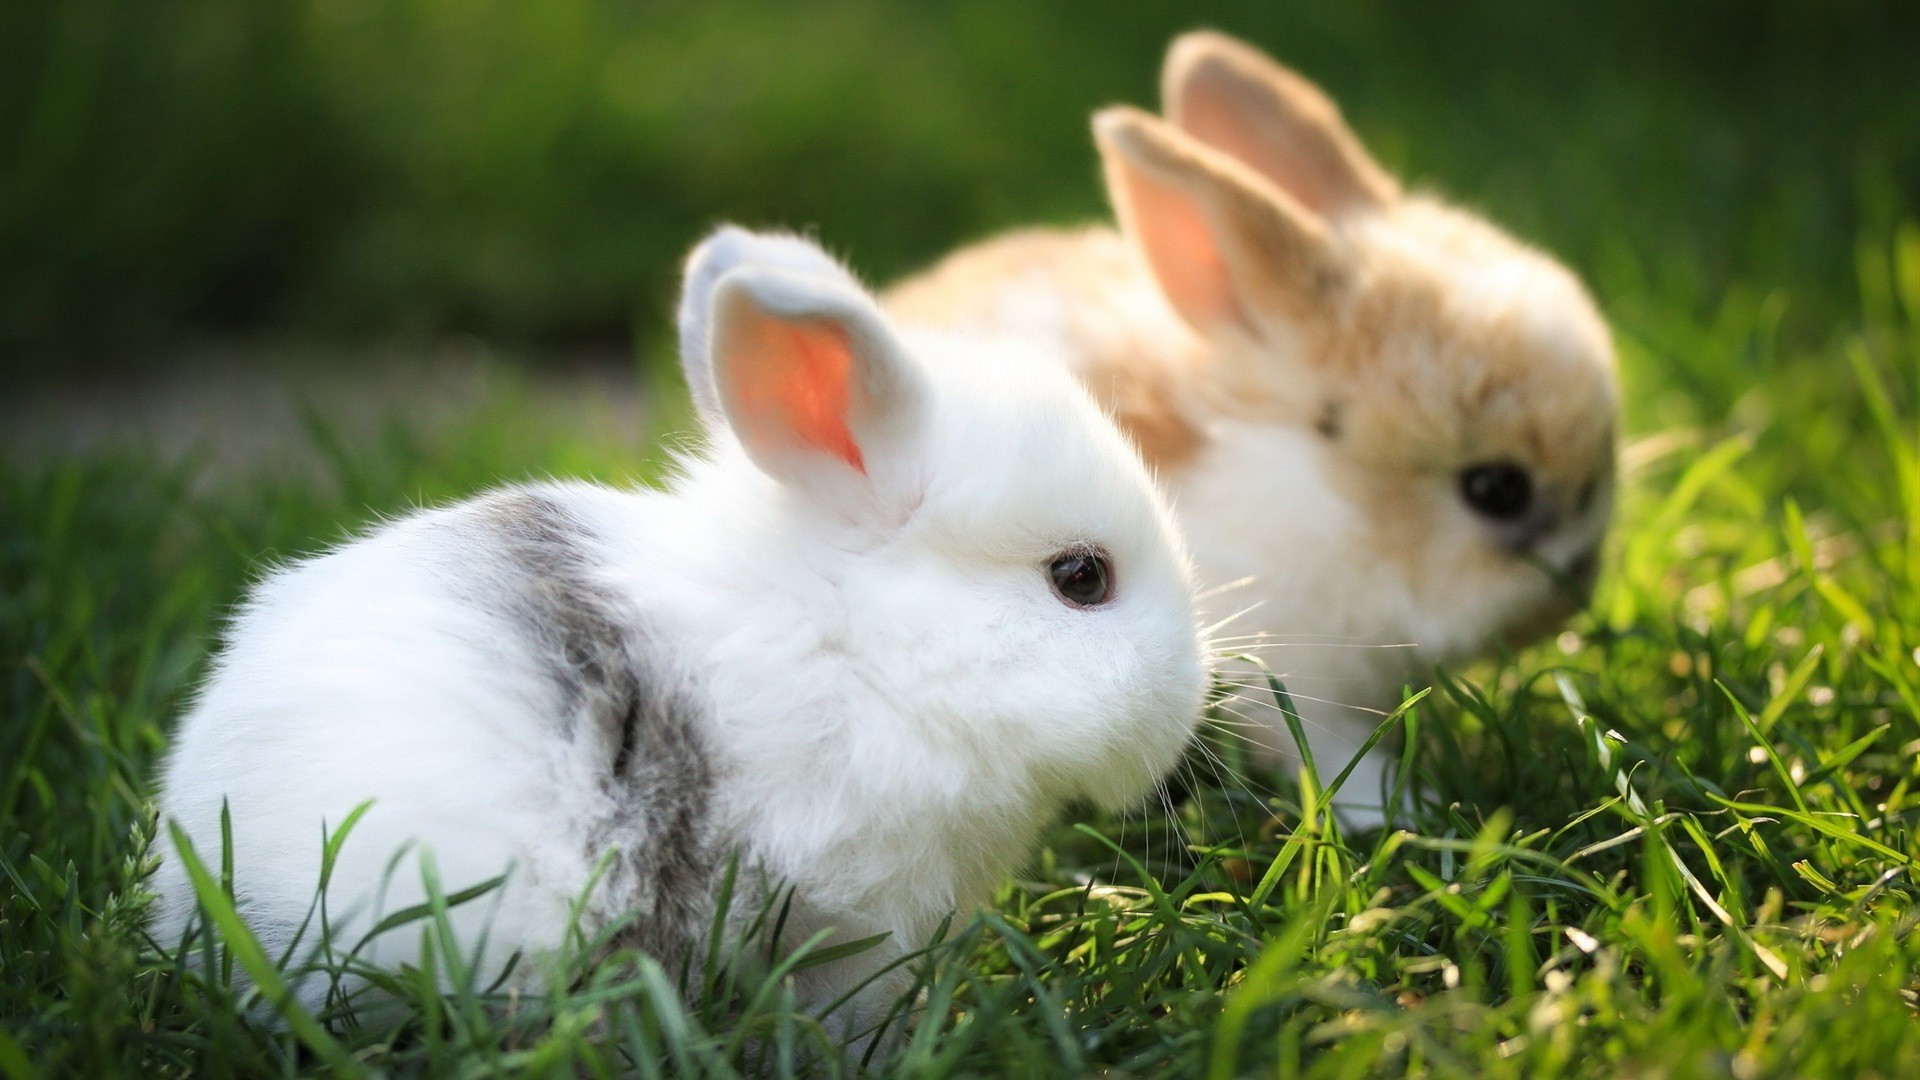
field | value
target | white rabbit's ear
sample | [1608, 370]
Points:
[729, 248]
[1228, 249]
[810, 376]
[1231, 96]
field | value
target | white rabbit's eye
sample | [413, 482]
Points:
[1499, 490]
[1083, 577]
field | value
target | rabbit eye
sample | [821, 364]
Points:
[1500, 490]
[1082, 577]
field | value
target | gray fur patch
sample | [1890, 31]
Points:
[616, 690]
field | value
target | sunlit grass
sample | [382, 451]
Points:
[1675, 840]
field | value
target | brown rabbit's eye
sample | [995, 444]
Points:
[1500, 490]
[1082, 578]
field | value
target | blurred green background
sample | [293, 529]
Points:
[352, 171]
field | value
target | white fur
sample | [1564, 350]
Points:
[895, 698]
[1269, 541]
[1282, 569]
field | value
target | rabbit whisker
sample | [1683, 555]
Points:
[1296, 695]
[1272, 635]
[1206, 632]
[1269, 640]
[1254, 725]
[1222, 772]
[1288, 750]
[1229, 586]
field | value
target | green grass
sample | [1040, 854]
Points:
[1677, 840]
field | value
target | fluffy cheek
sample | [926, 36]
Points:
[1550, 607]
[1460, 591]
[1132, 772]
[1082, 703]
[1502, 601]
[1152, 719]
[1100, 716]
[1411, 526]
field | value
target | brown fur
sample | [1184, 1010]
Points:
[1433, 388]
[1437, 341]
[1142, 387]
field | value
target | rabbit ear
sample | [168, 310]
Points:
[1231, 96]
[729, 248]
[1226, 247]
[808, 374]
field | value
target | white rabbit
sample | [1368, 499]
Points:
[897, 615]
[1393, 418]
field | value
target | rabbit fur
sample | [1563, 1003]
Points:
[830, 645]
[1312, 360]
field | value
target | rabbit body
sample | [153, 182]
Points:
[1319, 368]
[830, 647]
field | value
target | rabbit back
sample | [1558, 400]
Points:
[469, 672]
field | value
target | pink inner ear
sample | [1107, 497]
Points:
[793, 380]
[1288, 132]
[1183, 250]
[1221, 125]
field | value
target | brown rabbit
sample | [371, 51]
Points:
[1388, 421]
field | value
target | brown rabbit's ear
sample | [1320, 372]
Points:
[1230, 95]
[1225, 246]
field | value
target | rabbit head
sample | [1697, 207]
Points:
[978, 546]
[1458, 385]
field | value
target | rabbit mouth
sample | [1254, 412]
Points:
[1569, 591]
[1570, 583]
